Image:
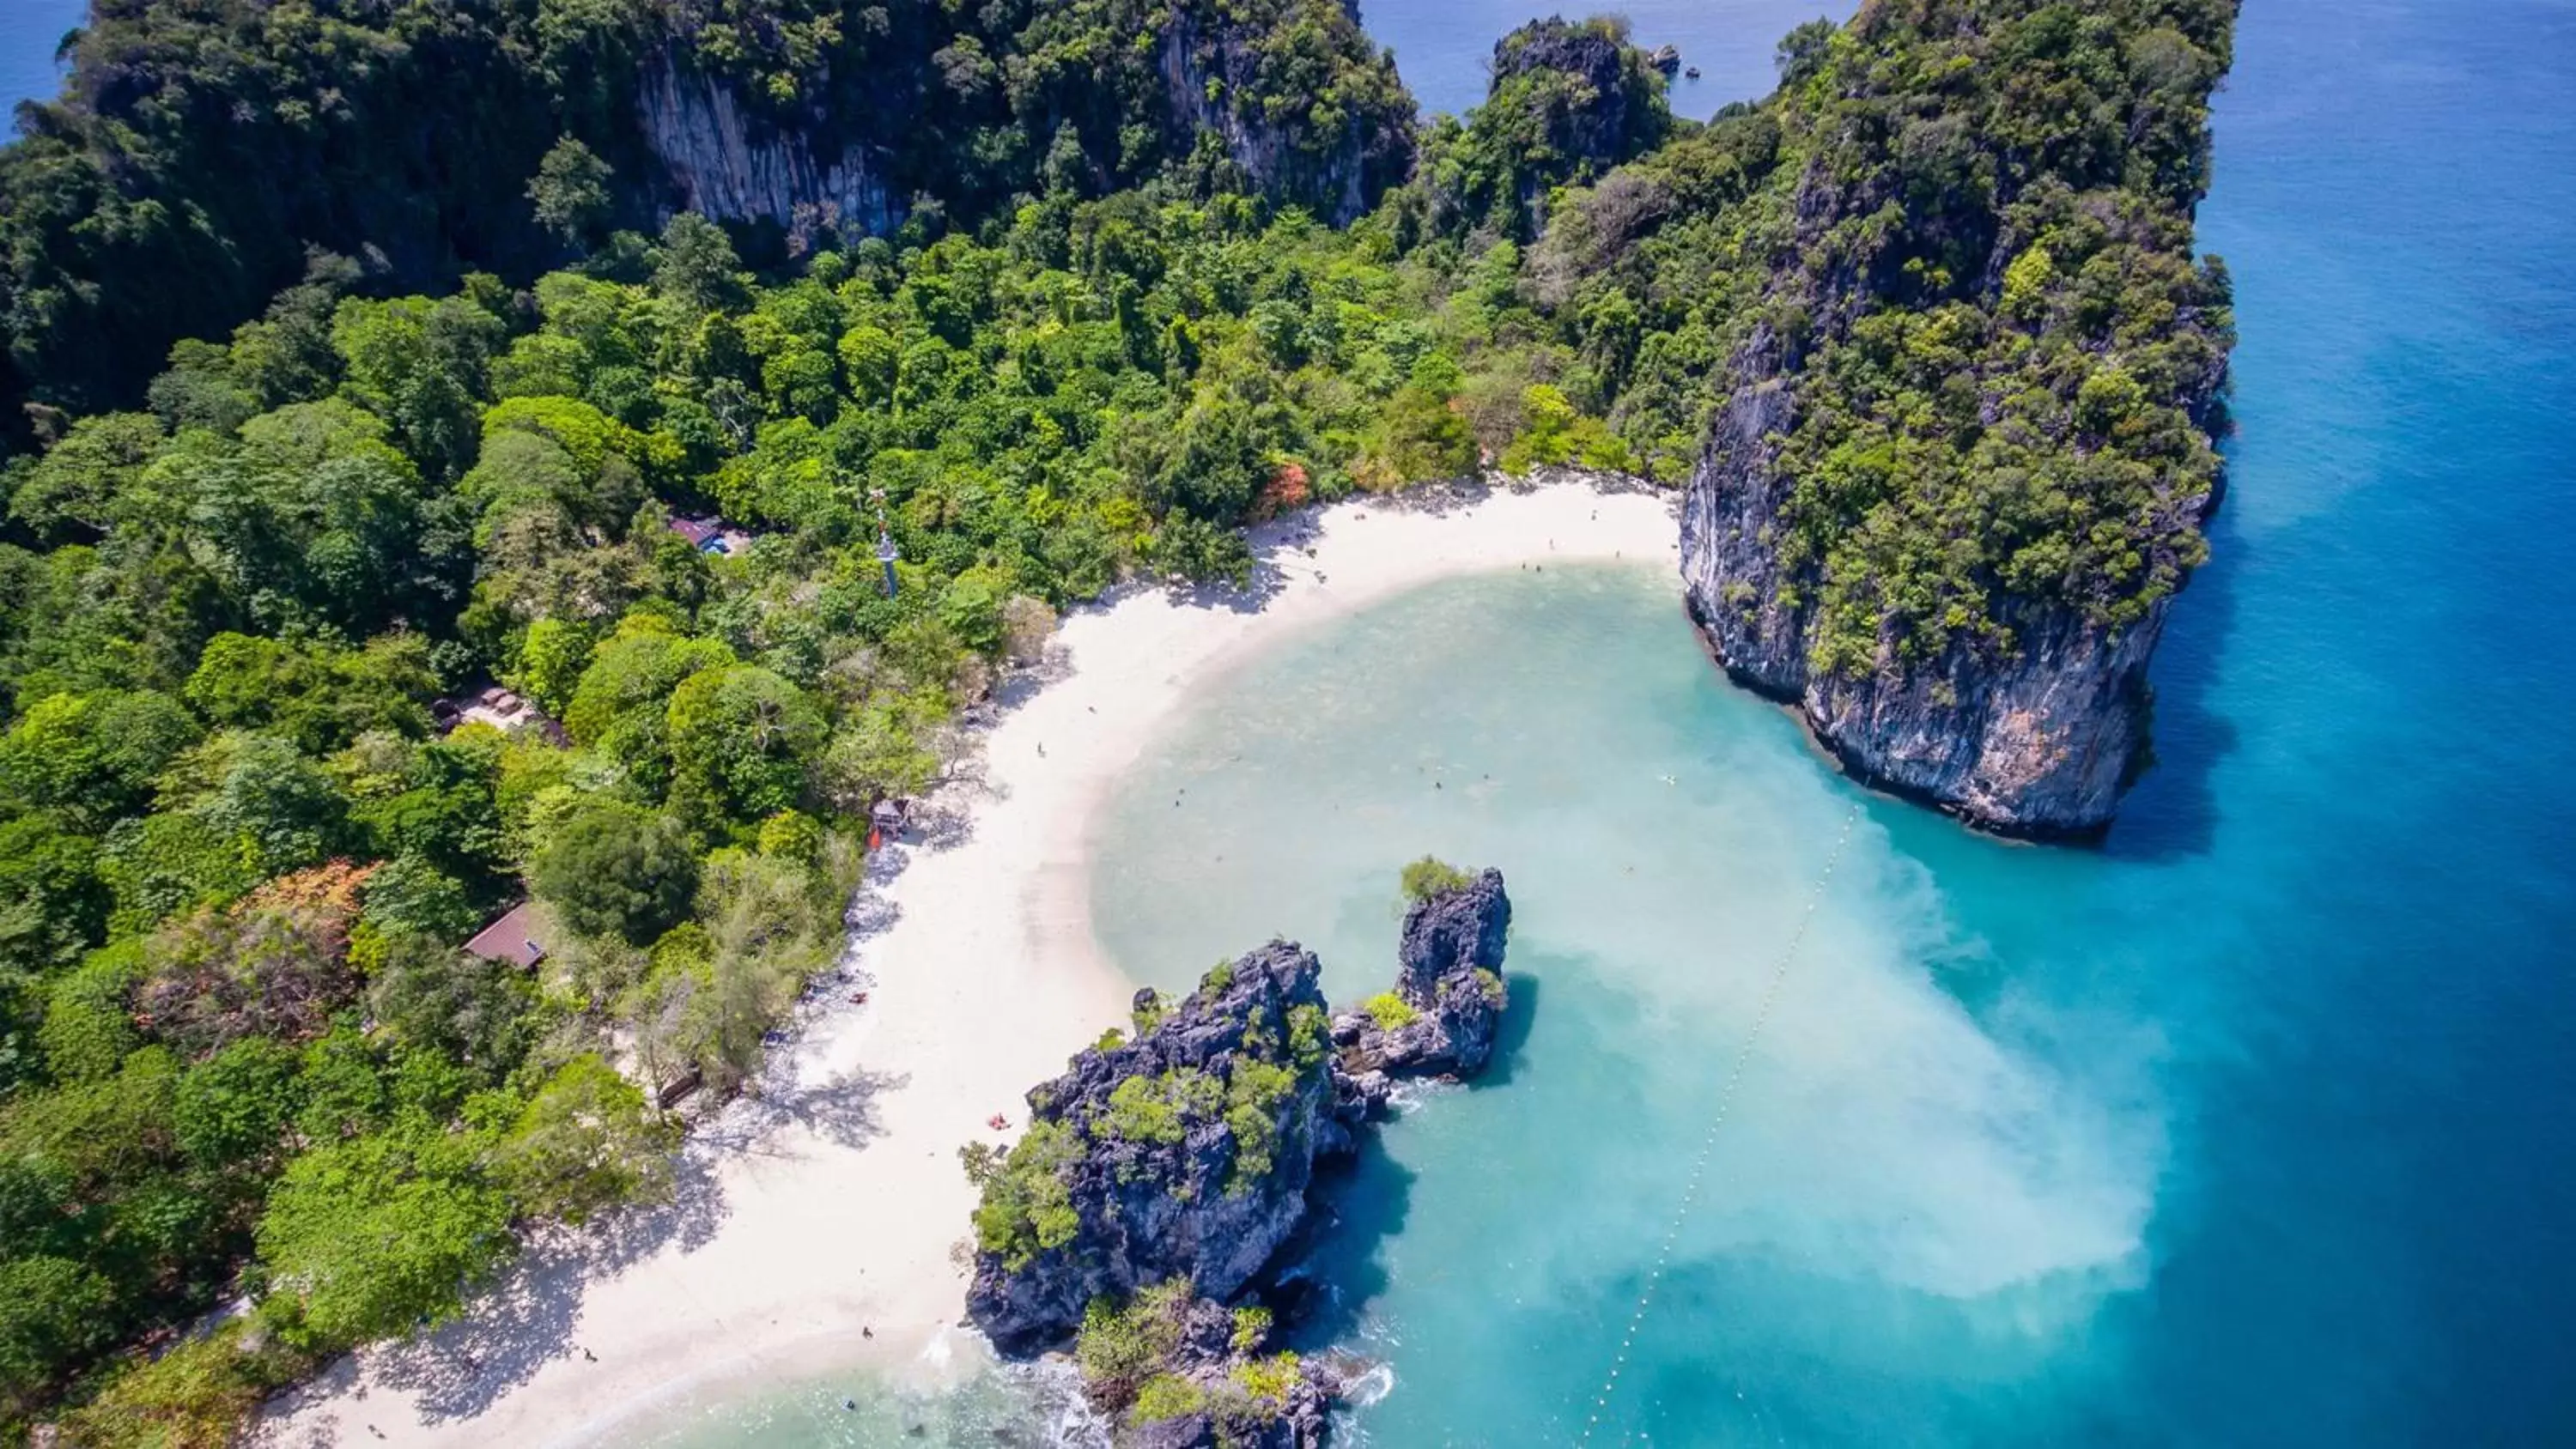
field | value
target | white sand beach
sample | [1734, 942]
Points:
[833, 1202]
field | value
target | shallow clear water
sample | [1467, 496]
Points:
[1931, 1175]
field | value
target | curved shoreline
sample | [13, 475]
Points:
[831, 1203]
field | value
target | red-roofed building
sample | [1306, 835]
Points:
[508, 939]
[709, 535]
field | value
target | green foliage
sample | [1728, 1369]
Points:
[53, 903]
[611, 869]
[1254, 1093]
[1149, 1011]
[1166, 1396]
[431, 996]
[1158, 1110]
[407, 896]
[1431, 876]
[586, 1141]
[1251, 1328]
[192, 1397]
[364, 1237]
[1567, 101]
[96, 755]
[1027, 1205]
[233, 1108]
[1268, 1381]
[53, 1312]
[88, 1024]
[570, 192]
[1390, 1011]
[1124, 1346]
[743, 741]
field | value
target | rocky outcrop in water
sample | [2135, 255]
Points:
[1333, 159]
[1160, 1179]
[1596, 103]
[2030, 715]
[1185, 1153]
[1447, 1005]
[2040, 743]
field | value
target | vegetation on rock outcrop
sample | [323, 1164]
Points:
[1145, 1210]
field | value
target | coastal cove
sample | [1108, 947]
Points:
[789, 564]
[2289, 1029]
[976, 951]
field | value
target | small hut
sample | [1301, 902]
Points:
[509, 939]
[885, 822]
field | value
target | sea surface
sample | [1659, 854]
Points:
[29, 32]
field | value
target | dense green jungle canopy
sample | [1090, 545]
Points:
[359, 356]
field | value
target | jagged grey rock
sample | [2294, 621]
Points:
[734, 167]
[1189, 1154]
[1188, 1195]
[1451, 980]
[2041, 741]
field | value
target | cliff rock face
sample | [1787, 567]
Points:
[1597, 104]
[1451, 983]
[1184, 1154]
[728, 165]
[2040, 743]
[2038, 739]
[1338, 172]
[1159, 1181]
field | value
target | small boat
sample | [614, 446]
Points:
[1665, 58]
[1692, 72]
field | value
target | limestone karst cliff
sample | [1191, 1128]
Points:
[2038, 741]
[1963, 449]
[1161, 1180]
[725, 162]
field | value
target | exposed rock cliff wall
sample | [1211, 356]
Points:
[1159, 1180]
[2038, 743]
[728, 165]
[1336, 169]
[1183, 1154]
[1964, 451]
[1448, 1002]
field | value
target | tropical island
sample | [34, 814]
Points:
[498, 498]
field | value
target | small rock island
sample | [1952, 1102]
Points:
[1145, 1212]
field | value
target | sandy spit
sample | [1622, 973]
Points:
[832, 1201]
